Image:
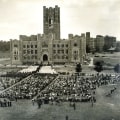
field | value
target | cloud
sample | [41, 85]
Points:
[77, 16]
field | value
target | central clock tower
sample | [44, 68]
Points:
[51, 21]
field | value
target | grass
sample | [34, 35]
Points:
[4, 54]
[110, 59]
[104, 109]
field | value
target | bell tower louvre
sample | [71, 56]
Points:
[51, 21]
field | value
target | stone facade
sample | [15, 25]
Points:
[15, 52]
[87, 38]
[92, 44]
[118, 46]
[48, 47]
[51, 21]
[99, 43]
[109, 41]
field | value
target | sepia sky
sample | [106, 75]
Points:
[77, 16]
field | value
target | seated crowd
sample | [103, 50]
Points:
[64, 88]
[6, 82]
[11, 78]
[29, 88]
[75, 88]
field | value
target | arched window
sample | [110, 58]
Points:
[75, 44]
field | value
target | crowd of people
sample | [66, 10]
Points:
[5, 103]
[11, 78]
[111, 92]
[56, 88]
[76, 88]
[30, 87]
[16, 74]
[6, 82]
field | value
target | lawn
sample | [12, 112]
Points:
[106, 108]
[110, 59]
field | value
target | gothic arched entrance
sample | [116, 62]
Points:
[45, 58]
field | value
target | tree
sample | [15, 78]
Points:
[4, 46]
[117, 68]
[78, 68]
[105, 48]
[98, 66]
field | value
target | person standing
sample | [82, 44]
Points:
[66, 118]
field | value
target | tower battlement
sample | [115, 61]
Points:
[51, 20]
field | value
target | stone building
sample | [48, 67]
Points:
[118, 46]
[99, 43]
[90, 43]
[110, 41]
[48, 47]
[87, 38]
[51, 21]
